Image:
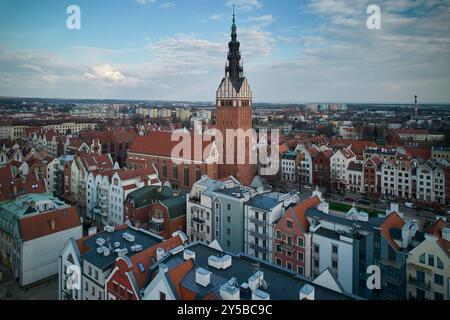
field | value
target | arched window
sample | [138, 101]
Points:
[175, 171]
[198, 173]
[186, 176]
[164, 169]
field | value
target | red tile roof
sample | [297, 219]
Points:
[300, 211]
[41, 225]
[423, 153]
[392, 221]
[133, 173]
[436, 230]
[358, 146]
[145, 256]
[161, 144]
[177, 274]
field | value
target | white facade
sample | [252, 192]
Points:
[305, 166]
[430, 183]
[40, 256]
[69, 280]
[259, 222]
[200, 211]
[397, 178]
[121, 187]
[335, 255]
[339, 163]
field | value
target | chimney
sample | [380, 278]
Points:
[188, 255]
[163, 268]
[307, 293]
[203, 277]
[159, 253]
[14, 189]
[229, 291]
[52, 222]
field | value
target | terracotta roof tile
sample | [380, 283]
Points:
[41, 225]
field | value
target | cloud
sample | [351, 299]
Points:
[105, 72]
[216, 17]
[262, 20]
[32, 68]
[145, 2]
[167, 5]
[245, 5]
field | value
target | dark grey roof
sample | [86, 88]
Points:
[265, 201]
[367, 226]
[102, 262]
[237, 192]
[282, 284]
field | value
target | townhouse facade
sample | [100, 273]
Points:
[260, 216]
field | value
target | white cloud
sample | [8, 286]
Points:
[262, 20]
[245, 5]
[146, 2]
[105, 72]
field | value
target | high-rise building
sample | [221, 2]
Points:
[234, 112]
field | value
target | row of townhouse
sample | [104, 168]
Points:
[413, 264]
[126, 263]
[14, 132]
[238, 217]
[377, 171]
[97, 185]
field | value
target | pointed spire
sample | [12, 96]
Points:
[233, 27]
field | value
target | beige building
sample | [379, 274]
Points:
[428, 265]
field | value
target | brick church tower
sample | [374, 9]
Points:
[234, 111]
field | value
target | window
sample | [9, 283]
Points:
[316, 263]
[334, 249]
[289, 224]
[228, 207]
[422, 258]
[440, 264]
[316, 248]
[438, 279]
[278, 261]
[229, 219]
[186, 176]
[300, 242]
[198, 173]
[175, 171]
[334, 264]
[300, 256]
[279, 250]
[279, 237]
[438, 296]
[288, 265]
[431, 260]
[162, 296]
[228, 243]
[164, 169]
[300, 270]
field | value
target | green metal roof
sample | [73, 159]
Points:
[12, 210]
[174, 202]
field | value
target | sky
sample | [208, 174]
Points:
[297, 51]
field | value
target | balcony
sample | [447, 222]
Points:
[195, 200]
[156, 220]
[425, 285]
[199, 234]
[198, 220]
[258, 235]
[258, 248]
[258, 222]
